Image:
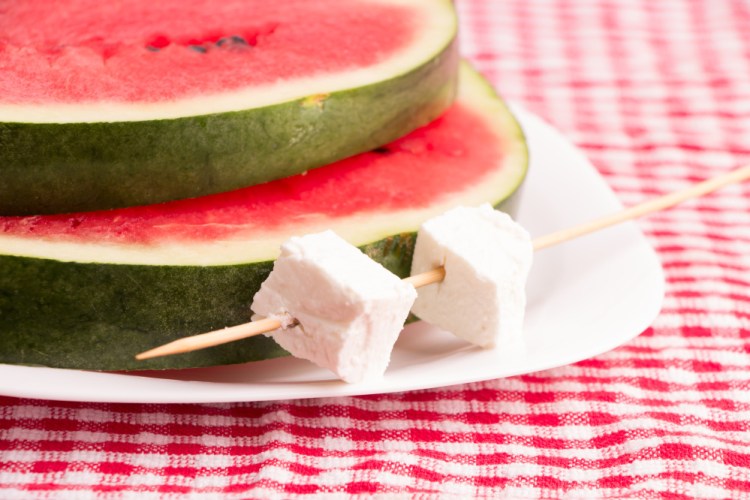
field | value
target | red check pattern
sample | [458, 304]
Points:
[657, 94]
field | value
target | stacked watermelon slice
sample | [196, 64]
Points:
[153, 156]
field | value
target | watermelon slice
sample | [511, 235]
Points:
[90, 290]
[118, 104]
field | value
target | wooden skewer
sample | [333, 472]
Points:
[661, 203]
[238, 332]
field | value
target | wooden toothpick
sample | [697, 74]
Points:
[210, 339]
[661, 203]
[246, 330]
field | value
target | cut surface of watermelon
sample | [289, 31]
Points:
[89, 59]
[89, 290]
[133, 103]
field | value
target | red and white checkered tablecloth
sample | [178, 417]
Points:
[657, 94]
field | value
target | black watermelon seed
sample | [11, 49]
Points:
[152, 48]
[198, 48]
[234, 40]
[382, 151]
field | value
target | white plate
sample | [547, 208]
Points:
[585, 297]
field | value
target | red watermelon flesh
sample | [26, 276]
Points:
[151, 51]
[401, 176]
[464, 156]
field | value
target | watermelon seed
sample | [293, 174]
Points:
[234, 40]
[198, 48]
[382, 151]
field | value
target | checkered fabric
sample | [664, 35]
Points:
[657, 94]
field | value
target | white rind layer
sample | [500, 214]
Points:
[437, 29]
[358, 229]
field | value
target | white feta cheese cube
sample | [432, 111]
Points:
[341, 310]
[487, 257]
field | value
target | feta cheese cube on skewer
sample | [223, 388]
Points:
[340, 309]
[487, 257]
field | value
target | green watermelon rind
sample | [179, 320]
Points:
[97, 316]
[50, 168]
